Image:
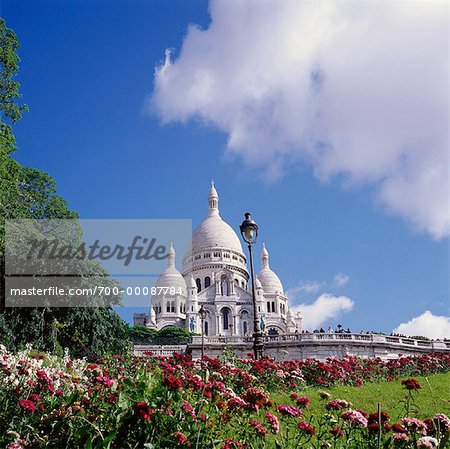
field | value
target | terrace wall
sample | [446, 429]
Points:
[304, 346]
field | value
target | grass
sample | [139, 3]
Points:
[434, 397]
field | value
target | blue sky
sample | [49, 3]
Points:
[333, 196]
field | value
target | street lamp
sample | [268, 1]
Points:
[202, 313]
[249, 232]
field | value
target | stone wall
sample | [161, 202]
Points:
[321, 346]
[304, 346]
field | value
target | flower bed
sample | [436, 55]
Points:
[154, 402]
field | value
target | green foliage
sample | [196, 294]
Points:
[28, 193]
[10, 110]
[420, 337]
[170, 335]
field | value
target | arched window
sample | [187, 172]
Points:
[243, 284]
[224, 285]
[245, 327]
[199, 284]
[273, 306]
[207, 281]
[172, 307]
[226, 318]
[168, 306]
[236, 281]
[268, 306]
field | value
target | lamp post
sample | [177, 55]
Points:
[249, 232]
[202, 313]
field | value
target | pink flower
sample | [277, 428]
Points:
[338, 404]
[187, 407]
[427, 443]
[104, 380]
[415, 425]
[355, 418]
[401, 437]
[274, 422]
[260, 429]
[289, 411]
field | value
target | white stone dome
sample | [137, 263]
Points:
[171, 277]
[269, 280]
[214, 232]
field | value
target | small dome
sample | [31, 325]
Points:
[171, 277]
[258, 283]
[270, 281]
[192, 283]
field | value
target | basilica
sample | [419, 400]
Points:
[215, 276]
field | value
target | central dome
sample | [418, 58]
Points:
[214, 232]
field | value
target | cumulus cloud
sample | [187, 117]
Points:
[426, 325]
[354, 90]
[341, 279]
[325, 308]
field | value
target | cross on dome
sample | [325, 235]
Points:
[264, 257]
[172, 254]
[213, 200]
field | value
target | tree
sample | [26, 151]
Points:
[27, 193]
[10, 109]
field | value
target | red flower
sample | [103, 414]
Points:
[303, 402]
[337, 432]
[35, 398]
[181, 438]
[398, 428]
[172, 383]
[27, 405]
[375, 418]
[229, 443]
[306, 428]
[256, 398]
[411, 384]
[144, 410]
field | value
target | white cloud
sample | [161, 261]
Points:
[341, 279]
[305, 287]
[325, 308]
[426, 325]
[355, 90]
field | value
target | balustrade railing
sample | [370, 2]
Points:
[308, 337]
